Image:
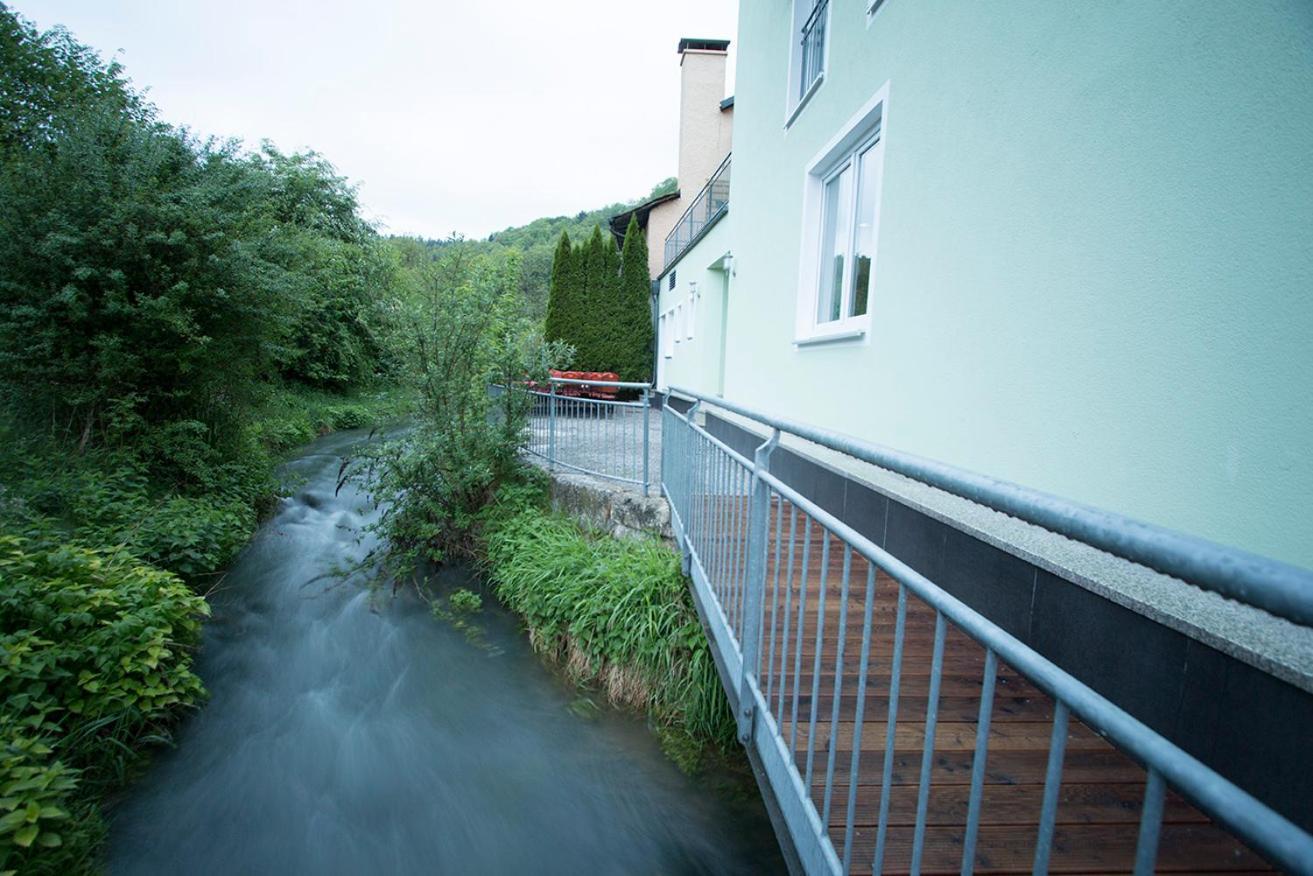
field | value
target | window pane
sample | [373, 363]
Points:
[834, 245]
[868, 193]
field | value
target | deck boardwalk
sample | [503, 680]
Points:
[808, 609]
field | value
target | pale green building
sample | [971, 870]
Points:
[1066, 245]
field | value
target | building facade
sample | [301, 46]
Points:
[1066, 246]
[706, 124]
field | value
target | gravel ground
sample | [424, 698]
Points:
[603, 440]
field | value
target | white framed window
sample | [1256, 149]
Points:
[667, 333]
[809, 46]
[841, 221]
[692, 308]
[679, 322]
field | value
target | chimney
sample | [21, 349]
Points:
[704, 127]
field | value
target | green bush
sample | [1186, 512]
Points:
[618, 612]
[97, 659]
[464, 601]
[464, 335]
[35, 817]
[192, 536]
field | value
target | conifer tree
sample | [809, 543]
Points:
[635, 314]
[610, 307]
[556, 326]
[588, 313]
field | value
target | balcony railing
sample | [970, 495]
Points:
[813, 48]
[584, 426]
[709, 205]
[813, 622]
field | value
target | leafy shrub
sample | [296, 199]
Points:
[463, 335]
[97, 658]
[193, 536]
[349, 416]
[33, 796]
[465, 601]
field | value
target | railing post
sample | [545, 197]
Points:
[686, 461]
[647, 438]
[754, 597]
[551, 428]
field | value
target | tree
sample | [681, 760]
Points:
[590, 323]
[153, 286]
[635, 317]
[599, 303]
[463, 332]
[559, 295]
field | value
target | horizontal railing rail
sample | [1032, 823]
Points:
[711, 202]
[1278, 588]
[606, 437]
[802, 607]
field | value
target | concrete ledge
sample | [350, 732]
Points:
[610, 507]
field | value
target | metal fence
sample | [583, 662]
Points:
[813, 48]
[706, 208]
[812, 623]
[584, 426]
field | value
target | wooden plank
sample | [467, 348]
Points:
[1004, 767]
[1077, 848]
[951, 736]
[1078, 803]
[955, 708]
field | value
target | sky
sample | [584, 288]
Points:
[451, 117]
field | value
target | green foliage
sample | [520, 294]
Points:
[464, 601]
[618, 612]
[463, 333]
[172, 312]
[667, 186]
[536, 245]
[34, 792]
[152, 286]
[296, 415]
[42, 74]
[634, 316]
[560, 305]
[599, 303]
[97, 655]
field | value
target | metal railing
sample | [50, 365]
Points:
[593, 434]
[764, 560]
[812, 62]
[709, 205]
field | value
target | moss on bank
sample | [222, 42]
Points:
[615, 613]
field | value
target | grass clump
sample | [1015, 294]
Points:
[616, 613]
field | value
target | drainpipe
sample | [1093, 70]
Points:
[654, 296]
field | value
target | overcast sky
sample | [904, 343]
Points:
[451, 116]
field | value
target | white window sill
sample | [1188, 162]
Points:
[806, 98]
[830, 337]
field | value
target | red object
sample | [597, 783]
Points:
[574, 390]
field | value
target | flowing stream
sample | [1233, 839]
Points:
[354, 733]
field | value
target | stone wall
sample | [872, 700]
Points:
[620, 511]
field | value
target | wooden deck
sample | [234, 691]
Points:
[1099, 804]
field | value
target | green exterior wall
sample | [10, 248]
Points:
[1095, 261]
[697, 362]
